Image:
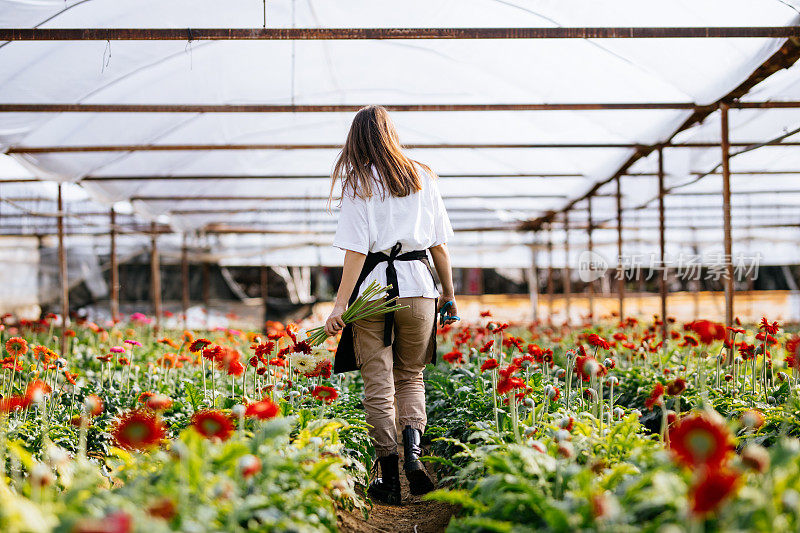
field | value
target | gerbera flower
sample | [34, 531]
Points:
[36, 391]
[698, 440]
[453, 357]
[707, 331]
[138, 430]
[159, 402]
[116, 349]
[263, 410]
[16, 346]
[132, 342]
[249, 465]
[143, 397]
[656, 396]
[302, 347]
[276, 361]
[264, 349]
[212, 353]
[489, 364]
[303, 363]
[324, 368]
[596, 340]
[12, 403]
[94, 405]
[771, 329]
[324, 393]
[198, 345]
[752, 419]
[486, 347]
[676, 387]
[712, 489]
[587, 367]
[212, 424]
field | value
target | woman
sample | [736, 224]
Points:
[391, 213]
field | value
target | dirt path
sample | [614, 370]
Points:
[413, 516]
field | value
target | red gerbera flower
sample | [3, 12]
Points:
[712, 488]
[698, 440]
[212, 424]
[12, 403]
[656, 397]
[263, 410]
[486, 347]
[676, 387]
[198, 345]
[324, 393]
[213, 353]
[596, 340]
[707, 331]
[138, 430]
[453, 357]
[489, 364]
[159, 402]
[16, 346]
[771, 329]
[793, 353]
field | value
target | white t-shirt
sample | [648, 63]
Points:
[417, 221]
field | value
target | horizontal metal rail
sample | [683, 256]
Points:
[303, 34]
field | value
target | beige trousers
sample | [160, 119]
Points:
[393, 386]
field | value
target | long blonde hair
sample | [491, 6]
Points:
[372, 141]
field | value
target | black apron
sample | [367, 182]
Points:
[345, 360]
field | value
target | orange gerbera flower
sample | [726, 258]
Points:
[212, 424]
[700, 440]
[16, 346]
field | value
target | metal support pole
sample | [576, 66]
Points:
[533, 284]
[620, 269]
[264, 293]
[184, 280]
[155, 276]
[567, 280]
[590, 284]
[550, 285]
[62, 271]
[206, 289]
[662, 280]
[726, 219]
[114, 297]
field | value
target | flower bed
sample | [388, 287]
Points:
[605, 429]
[539, 428]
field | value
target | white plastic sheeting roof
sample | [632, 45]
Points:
[696, 71]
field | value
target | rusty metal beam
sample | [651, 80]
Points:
[662, 246]
[218, 34]
[62, 274]
[726, 220]
[590, 247]
[155, 277]
[567, 282]
[351, 108]
[620, 273]
[114, 296]
[323, 146]
[316, 176]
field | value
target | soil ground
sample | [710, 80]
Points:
[415, 515]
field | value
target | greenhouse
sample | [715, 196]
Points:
[612, 203]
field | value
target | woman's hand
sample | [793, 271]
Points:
[335, 322]
[452, 310]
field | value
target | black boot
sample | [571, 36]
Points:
[386, 488]
[418, 479]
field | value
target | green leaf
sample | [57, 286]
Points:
[194, 395]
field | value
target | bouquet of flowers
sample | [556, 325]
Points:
[368, 304]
